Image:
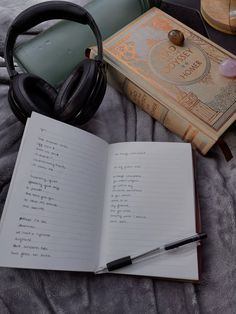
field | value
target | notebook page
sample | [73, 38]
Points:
[53, 212]
[149, 202]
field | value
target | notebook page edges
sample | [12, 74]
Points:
[150, 201]
[53, 215]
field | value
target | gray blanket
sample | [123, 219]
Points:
[34, 291]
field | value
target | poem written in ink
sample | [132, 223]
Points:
[126, 188]
[34, 228]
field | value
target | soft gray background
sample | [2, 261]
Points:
[32, 291]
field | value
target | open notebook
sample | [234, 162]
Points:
[76, 202]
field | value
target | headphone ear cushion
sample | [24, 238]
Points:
[76, 90]
[29, 93]
[95, 98]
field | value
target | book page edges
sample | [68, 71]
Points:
[175, 122]
[197, 217]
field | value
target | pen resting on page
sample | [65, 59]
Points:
[128, 260]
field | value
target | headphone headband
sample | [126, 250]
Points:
[43, 12]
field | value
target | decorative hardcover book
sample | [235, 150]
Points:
[76, 202]
[180, 86]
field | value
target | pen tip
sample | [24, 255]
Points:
[100, 271]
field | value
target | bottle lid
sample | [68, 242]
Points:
[220, 14]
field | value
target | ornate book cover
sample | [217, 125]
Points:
[180, 86]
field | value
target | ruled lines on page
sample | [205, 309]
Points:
[149, 202]
[53, 215]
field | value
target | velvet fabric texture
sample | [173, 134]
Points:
[117, 120]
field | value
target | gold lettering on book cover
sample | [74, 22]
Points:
[179, 65]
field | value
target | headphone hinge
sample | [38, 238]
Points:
[101, 64]
[13, 74]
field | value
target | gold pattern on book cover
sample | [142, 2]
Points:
[185, 76]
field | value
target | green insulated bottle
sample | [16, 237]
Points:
[54, 53]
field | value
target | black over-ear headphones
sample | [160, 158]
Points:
[82, 92]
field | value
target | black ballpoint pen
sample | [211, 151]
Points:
[128, 260]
